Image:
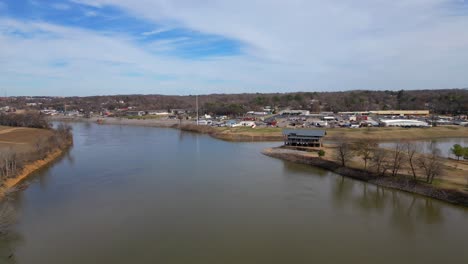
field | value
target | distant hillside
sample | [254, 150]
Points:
[444, 101]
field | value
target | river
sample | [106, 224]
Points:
[152, 195]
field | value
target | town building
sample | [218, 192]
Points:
[401, 112]
[295, 112]
[135, 113]
[404, 123]
[303, 137]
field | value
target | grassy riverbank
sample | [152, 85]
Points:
[25, 150]
[373, 133]
[450, 187]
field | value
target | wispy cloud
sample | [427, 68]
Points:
[156, 31]
[91, 13]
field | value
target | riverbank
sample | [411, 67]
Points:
[28, 169]
[348, 134]
[407, 184]
[27, 150]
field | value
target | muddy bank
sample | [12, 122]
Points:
[29, 169]
[402, 184]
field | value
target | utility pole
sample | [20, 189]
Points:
[196, 98]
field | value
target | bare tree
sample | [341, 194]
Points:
[412, 148]
[397, 158]
[364, 148]
[431, 165]
[344, 152]
[379, 161]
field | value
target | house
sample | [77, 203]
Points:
[295, 112]
[178, 111]
[303, 137]
[204, 122]
[135, 113]
[245, 124]
[157, 112]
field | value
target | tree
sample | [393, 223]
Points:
[412, 148]
[344, 153]
[465, 153]
[364, 149]
[321, 153]
[431, 165]
[397, 158]
[458, 151]
[379, 161]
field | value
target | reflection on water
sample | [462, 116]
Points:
[149, 195]
[426, 146]
[405, 211]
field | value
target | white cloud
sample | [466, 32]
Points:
[300, 32]
[287, 45]
[90, 13]
[93, 3]
[60, 6]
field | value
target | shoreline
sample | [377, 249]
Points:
[408, 185]
[28, 170]
[269, 134]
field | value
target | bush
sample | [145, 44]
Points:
[321, 153]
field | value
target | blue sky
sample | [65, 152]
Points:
[96, 47]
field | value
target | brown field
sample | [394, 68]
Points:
[20, 139]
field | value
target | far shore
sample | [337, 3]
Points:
[381, 134]
[247, 134]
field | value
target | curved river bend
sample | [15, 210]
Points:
[153, 195]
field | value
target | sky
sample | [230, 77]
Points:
[180, 47]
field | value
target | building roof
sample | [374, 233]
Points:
[305, 132]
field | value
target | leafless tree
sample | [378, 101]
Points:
[344, 152]
[397, 158]
[412, 148]
[431, 165]
[364, 148]
[379, 161]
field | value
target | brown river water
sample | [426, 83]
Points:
[153, 195]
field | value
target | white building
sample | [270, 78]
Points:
[404, 123]
[295, 112]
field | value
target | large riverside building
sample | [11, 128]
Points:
[389, 112]
[303, 137]
[404, 123]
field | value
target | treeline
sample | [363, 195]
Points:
[391, 162]
[13, 162]
[29, 119]
[444, 101]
